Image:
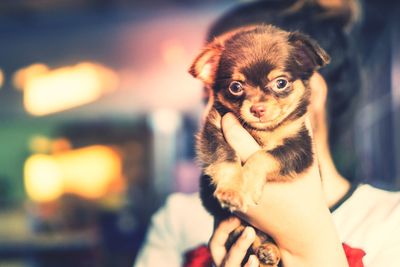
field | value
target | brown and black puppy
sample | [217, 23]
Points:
[260, 74]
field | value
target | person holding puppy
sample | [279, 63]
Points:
[309, 219]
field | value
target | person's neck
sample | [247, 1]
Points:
[334, 184]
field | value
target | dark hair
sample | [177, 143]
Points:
[342, 74]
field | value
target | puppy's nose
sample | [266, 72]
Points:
[257, 110]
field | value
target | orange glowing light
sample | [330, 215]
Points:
[60, 145]
[50, 91]
[22, 76]
[89, 172]
[1, 78]
[43, 180]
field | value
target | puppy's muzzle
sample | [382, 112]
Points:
[258, 110]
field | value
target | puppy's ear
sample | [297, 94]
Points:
[308, 53]
[205, 65]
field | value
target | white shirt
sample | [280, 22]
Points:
[368, 219]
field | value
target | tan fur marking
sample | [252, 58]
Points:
[258, 169]
[272, 139]
[289, 104]
[204, 66]
[261, 164]
[298, 84]
[214, 118]
[277, 73]
[237, 76]
[257, 242]
[224, 172]
[205, 73]
[228, 178]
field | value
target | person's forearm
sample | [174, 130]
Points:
[322, 248]
[317, 259]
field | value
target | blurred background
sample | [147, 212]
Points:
[98, 113]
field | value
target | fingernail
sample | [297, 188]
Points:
[247, 232]
[252, 260]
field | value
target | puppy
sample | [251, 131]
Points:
[260, 74]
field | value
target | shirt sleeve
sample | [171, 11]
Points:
[173, 231]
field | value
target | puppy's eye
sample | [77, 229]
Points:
[280, 84]
[236, 88]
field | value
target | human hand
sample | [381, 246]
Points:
[294, 214]
[319, 92]
[236, 254]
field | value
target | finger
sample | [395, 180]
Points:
[319, 91]
[238, 251]
[252, 262]
[237, 137]
[219, 238]
[309, 126]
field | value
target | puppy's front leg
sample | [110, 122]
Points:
[260, 167]
[280, 164]
[221, 163]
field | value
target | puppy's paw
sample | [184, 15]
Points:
[268, 254]
[230, 198]
[255, 193]
[253, 186]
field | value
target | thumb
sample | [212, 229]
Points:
[237, 137]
